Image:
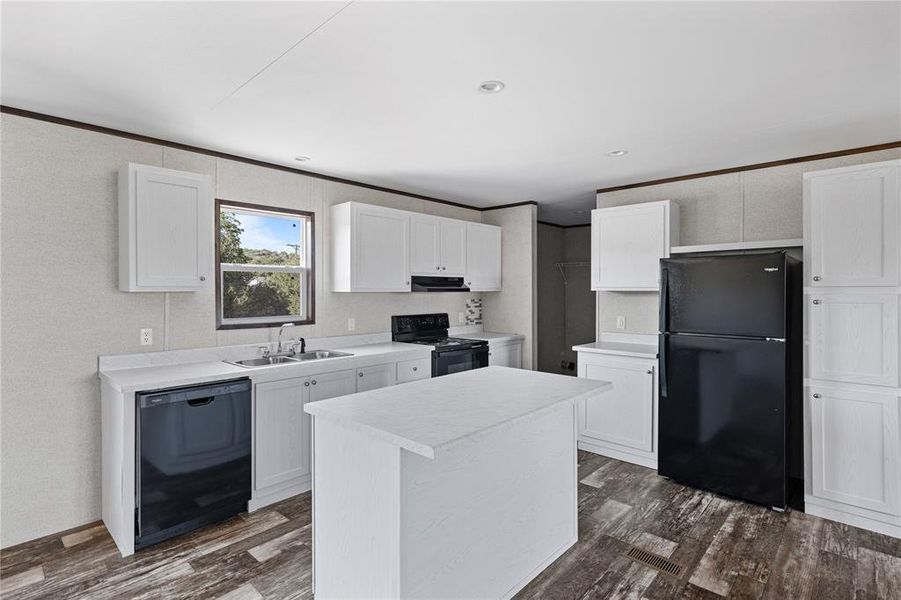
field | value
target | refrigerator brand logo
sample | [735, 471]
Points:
[771, 269]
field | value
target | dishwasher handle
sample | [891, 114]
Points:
[206, 391]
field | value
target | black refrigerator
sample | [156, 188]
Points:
[730, 375]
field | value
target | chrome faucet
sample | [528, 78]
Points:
[281, 330]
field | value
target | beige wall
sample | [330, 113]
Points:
[763, 204]
[60, 306]
[514, 309]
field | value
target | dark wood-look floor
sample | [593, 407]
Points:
[726, 548]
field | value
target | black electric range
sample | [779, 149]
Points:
[449, 354]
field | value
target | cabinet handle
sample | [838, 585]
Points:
[313, 382]
[816, 395]
[444, 268]
[408, 282]
[650, 371]
[306, 384]
[203, 278]
[468, 283]
[816, 301]
[360, 375]
[415, 368]
[816, 277]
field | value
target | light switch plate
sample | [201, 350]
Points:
[351, 324]
[147, 337]
[462, 317]
[620, 322]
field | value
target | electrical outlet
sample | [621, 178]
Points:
[147, 337]
[620, 322]
[462, 317]
[351, 324]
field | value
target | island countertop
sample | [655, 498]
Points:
[427, 415]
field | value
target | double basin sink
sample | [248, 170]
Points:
[288, 358]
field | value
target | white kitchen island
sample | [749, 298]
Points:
[462, 486]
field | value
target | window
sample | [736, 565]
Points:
[264, 260]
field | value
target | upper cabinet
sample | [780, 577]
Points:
[853, 226]
[378, 249]
[437, 246]
[165, 230]
[370, 248]
[483, 257]
[627, 243]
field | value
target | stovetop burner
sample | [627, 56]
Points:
[431, 330]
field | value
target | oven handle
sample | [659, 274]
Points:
[464, 350]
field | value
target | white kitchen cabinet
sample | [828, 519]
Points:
[281, 450]
[376, 376]
[853, 225]
[621, 422]
[627, 243]
[412, 370]
[370, 248]
[505, 354]
[165, 230]
[437, 246]
[855, 448]
[483, 257]
[854, 338]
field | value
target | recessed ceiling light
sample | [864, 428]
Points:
[615, 153]
[301, 158]
[491, 87]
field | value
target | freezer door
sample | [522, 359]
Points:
[723, 416]
[742, 295]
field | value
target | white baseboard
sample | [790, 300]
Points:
[277, 494]
[623, 455]
[818, 508]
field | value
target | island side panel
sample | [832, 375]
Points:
[491, 512]
[356, 508]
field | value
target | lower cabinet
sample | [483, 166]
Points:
[621, 422]
[855, 448]
[281, 450]
[376, 376]
[411, 370]
[505, 355]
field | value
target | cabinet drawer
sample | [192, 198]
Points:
[411, 370]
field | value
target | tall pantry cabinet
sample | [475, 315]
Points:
[852, 225]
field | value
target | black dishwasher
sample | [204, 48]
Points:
[193, 459]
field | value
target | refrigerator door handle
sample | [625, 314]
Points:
[662, 374]
[664, 300]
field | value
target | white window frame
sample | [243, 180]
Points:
[306, 273]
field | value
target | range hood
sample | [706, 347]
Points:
[422, 283]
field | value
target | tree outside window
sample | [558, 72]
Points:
[265, 266]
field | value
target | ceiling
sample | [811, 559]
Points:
[386, 92]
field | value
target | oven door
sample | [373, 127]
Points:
[454, 361]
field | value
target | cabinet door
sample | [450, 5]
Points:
[173, 229]
[425, 233]
[281, 442]
[381, 249]
[452, 252]
[412, 370]
[853, 228]
[627, 245]
[376, 376]
[332, 385]
[483, 257]
[623, 415]
[505, 356]
[855, 448]
[854, 338]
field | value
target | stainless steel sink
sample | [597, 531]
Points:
[285, 359]
[264, 361]
[320, 354]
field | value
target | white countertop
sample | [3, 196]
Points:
[491, 336]
[424, 416]
[164, 376]
[619, 349]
